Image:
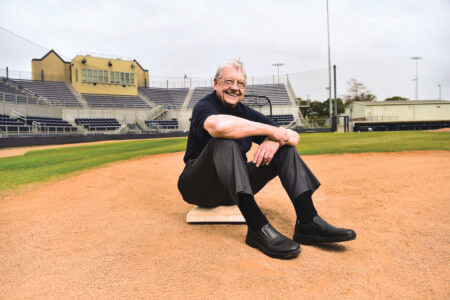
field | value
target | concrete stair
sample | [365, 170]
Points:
[77, 95]
[187, 99]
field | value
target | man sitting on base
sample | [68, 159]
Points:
[217, 172]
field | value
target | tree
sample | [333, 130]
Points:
[340, 106]
[357, 92]
[396, 98]
[318, 110]
[303, 105]
[301, 102]
[355, 88]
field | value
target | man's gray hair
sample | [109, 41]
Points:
[236, 63]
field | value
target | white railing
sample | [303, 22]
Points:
[382, 118]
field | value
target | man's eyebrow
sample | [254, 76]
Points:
[240, 80]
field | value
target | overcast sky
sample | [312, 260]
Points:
[371, 41]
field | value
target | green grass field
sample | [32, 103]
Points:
[46, 165]
[389, 141]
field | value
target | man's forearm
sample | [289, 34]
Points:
[231, 127]
[294, 138]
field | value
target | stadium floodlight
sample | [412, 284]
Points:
[278, 65]
[417, 58]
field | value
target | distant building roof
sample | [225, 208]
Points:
[48, 53]
[402, 102]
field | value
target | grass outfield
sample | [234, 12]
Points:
[45, 165]
[388, 141]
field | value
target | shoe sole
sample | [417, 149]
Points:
[287, 255]
[311, 240]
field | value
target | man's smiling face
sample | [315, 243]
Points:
[230, 87]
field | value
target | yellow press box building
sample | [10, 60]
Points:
[92, 75]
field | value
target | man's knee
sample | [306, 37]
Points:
[288, 150]
[224, 144]
[286, 154]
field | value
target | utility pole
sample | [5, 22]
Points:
[329, 63]
[417, 58]
[439, 85]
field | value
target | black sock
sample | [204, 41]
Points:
[304, 208]
[251, 212]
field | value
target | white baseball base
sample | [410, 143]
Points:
[220, 214]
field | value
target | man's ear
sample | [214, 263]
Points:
[215, 82]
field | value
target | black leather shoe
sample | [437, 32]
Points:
[319, 231]
[272, 243]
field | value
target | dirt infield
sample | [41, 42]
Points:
[120, 231]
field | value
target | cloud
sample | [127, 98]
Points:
[371, 41]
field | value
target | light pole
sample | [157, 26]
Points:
[278, 65]
[329, 62]
[417, 58]
[439, 85]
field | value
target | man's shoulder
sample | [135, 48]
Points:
[250, 111]
[207, 101]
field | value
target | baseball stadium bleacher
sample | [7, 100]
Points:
[199, 93]
[58, 93]
[282, 119]
[50, 124]
[154, 109]
[13, 94]
[162, 124]
[106, 100]
[275, 92]
[170, 98]
[32, 124]
[11, 125]
[98, 124]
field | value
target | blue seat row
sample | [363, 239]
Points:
[282, 119]
[98, 124]
[162, 124]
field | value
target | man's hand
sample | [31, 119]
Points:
[265, 152]
[280, 135]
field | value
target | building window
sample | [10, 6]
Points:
[95, 76]
[122, 78]
[101, 76]
[83, 75]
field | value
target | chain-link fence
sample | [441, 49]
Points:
[306, 85]
[15, 74]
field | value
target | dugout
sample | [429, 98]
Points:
[399, 115]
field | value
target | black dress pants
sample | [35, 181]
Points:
[220, 173]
